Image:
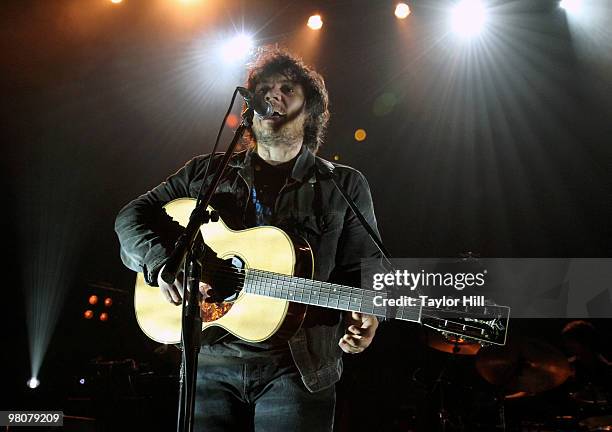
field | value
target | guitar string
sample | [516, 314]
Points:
[264, 280]
[285, 280]
[285, 284]
[348, 304]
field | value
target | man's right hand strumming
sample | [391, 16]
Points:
[173, 293]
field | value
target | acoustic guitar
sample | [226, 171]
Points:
[272, 272]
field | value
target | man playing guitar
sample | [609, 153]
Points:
[279, 383]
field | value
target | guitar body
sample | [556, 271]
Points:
[250, 317]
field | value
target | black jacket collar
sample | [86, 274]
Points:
[303, 170]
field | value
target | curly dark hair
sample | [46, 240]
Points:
[271, 60]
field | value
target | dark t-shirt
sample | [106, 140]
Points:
[268, 180]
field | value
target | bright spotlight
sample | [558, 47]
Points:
[33, 383]
[402, 10]
[571, 6]
[237, 48]
[315, 22]
[116, 1]
[468, 18]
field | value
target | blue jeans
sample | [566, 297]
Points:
[260, 398]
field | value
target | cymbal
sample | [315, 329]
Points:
[591, 395]
[528, 365]
[451, 344]
[516, 395]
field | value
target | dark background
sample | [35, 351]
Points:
[500, 148]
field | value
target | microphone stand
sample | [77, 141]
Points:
[190, 249]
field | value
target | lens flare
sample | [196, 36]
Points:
[237, 48]
[360, 134]
[571, 6]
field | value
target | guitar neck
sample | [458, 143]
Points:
[325, 294]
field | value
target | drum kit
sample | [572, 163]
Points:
[533, 387]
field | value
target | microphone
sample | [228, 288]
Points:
[259, 105]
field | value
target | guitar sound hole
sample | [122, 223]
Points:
[231, 280]
[238, 265]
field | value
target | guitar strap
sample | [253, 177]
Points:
[326, 169]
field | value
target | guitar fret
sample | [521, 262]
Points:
[326, 292]
[283, 288]
[279, 287]
[289, 289]
[354, 302]
[275, 287]
[322, 301]
[268, 286]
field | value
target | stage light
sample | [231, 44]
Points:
[93, 299]
[108, 302]
[402, 10]
[468, 18]
[82, 381]
[315, 22]
[103, 316]
[336, 157]
[88, 314]
[360, 134]
[33, 383]
[237, 48]
[116, 1]
[571, 6]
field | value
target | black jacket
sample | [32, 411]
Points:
[309, 205]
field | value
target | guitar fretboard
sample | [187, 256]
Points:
[325, 294]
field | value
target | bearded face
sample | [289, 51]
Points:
[288, 101]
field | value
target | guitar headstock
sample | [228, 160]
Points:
[486, 324]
